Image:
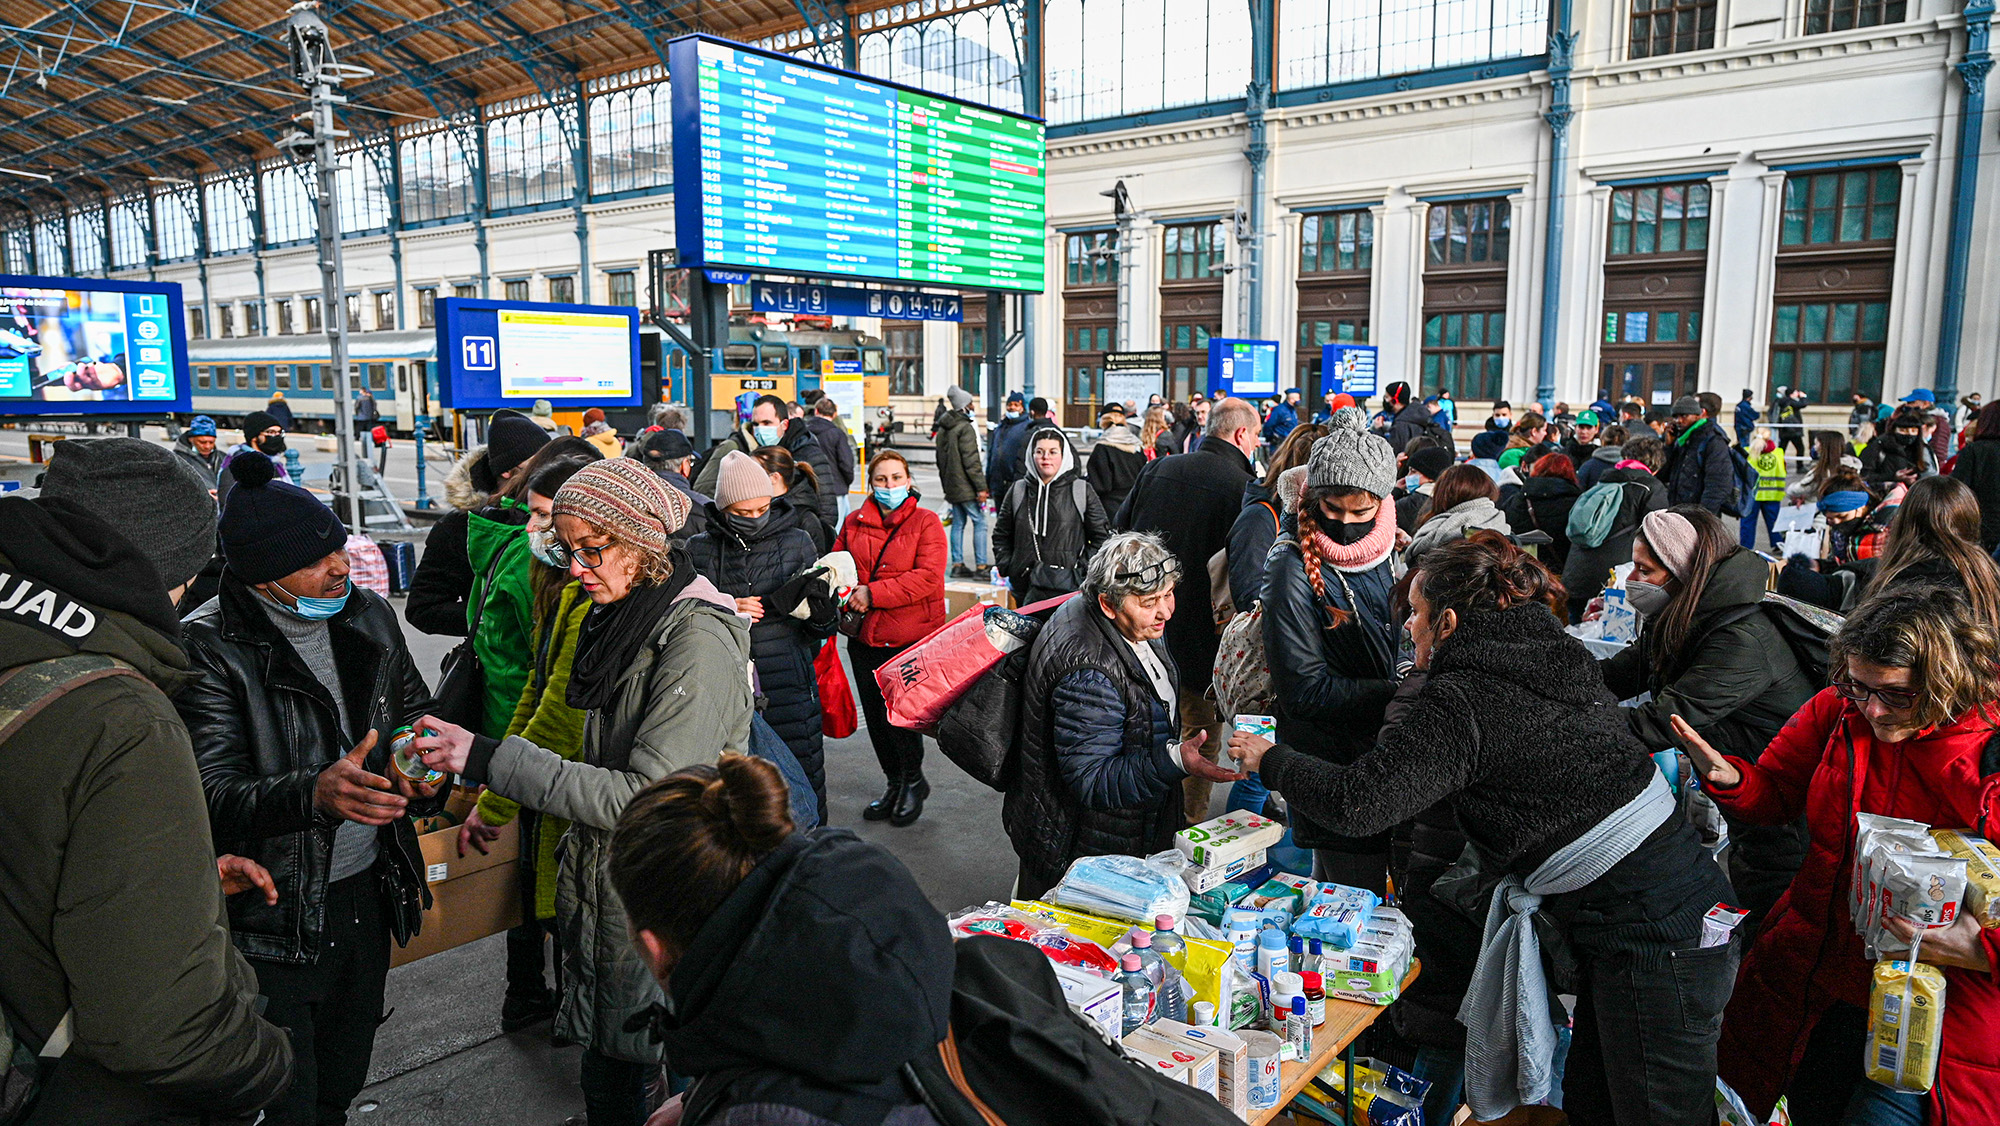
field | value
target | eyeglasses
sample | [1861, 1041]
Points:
[1901, 699]
[1152, 577]
[590, 557]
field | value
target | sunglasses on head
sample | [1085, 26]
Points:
[1901, 699]
[1152, 577]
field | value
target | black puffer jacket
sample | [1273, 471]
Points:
[804, 503]
[1190, 501]
[782, 647]
[1543, 504]
[1417, 420]
[1892, 453]
[1700, 470]
[1115, 463]
[1586, 568]
[263, 728]
[1250, 540]
[1978, 465]
[799, 440]
[1043, 539]
[1095, 776]
[765, 1047]
[1331, 685]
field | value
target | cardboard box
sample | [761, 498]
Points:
[471, 896]
[961, 594]
[1218, 841]
[1205, 878]
[1232, 1063]
[1159, 1049]
[1099, 1001]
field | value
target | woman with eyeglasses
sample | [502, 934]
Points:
[662, 668]
[1906, 730]
[1101, 763]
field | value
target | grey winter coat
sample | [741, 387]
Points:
[684, 700]
[1462, 520]
[207, 468]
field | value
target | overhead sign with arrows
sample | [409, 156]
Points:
[843, 301]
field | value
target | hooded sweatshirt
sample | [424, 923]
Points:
[1047, 531]
[113, 909]
[1114, 465]
[761, 1035]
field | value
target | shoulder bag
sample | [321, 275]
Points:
[461, 691]
[850, 619]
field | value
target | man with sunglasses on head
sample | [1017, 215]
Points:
[300, 679]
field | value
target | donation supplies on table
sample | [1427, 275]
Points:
[1926, 877]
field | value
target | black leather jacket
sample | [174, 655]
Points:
[264, 727]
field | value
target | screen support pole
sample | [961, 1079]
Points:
[996, 363]
[708, 317]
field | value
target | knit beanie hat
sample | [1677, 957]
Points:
[1432, 461]
[1489, 443]
[742, 478]
[271, 528]
[202, 427]
[511, 438]
[594, 414]
[1672, 538]
[145, 494]
[958, 397]
[1686, 405]
[627, 500]
[1350, 456]
[255, 423]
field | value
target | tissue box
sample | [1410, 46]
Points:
[1232, 1060]
[1203, 878]
[1099, 1001]
[1190, 1061]
[1217, 842]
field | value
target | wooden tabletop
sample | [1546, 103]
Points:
[1345, 1020]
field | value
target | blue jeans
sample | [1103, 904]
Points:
[1249, 794]
[1748, 530]
[962, 515]
[1876, 1105]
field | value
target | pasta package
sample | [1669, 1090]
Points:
[1905, 1011]
[1982, 872]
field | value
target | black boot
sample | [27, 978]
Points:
[910, 803]
[881, 808]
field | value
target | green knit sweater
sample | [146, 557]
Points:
[544, 717]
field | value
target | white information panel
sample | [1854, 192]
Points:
[556, 355]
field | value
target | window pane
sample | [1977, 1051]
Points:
[1875, 321]
[1812, 372]
[1454, 330]
[1844, 317]
[1666, 327]
[1433, 331]
[1813, 328]
[1781, 367]
[1840, 376]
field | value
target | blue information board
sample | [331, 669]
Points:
[1349, 368]
[840, 301]
[494, 354]
[1242, 367]
[805, 169]
[86, 346]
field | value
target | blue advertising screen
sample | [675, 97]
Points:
[1243, 367]
[1349, 368]
[85, 346]
[805, 169]
[494, 354]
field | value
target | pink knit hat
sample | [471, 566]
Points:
[627, 500]
[742, 478]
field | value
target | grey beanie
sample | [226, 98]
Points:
[144, 493]
[1350, 456]
[958, 397]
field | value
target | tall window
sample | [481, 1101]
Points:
[622, 288]
[1090, 320]
[229, 226]
[1193, 250]
[427, 306]
[1654, 276]
[1092, 258]
[1659, 219]
[1670, 27]
[50, 256]
[130, 222]
[363, 199]
[86, 240]
[283, 314]
[1321, 42]
[905, 340]
[630, 144]
[312, 315]
[528, 160]
[288, 206]
[177, 213]
[1836, 263]
[1108, 58]
[515, 289]
[353, 312]
[1465, 297]
[437, 173]
[1823, 16]
[253, 318]
[197, 325]
[385, 310]
[465, 289]
[1336, 257]
[972, 346]
[225, 321]
[972, 55]
[562, 290]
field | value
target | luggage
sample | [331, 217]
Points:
[401, 560]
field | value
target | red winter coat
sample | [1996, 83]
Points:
[903, 569]
[1827, 763]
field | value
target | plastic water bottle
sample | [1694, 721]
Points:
[1168, 944]
[1155, 965]
[1299, 1030]
[1138, 995]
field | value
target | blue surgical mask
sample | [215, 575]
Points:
[316, 609]
[1503, 422]
[892, 499]
[1411, 482]
[538, 546]
[765, 435]
[1012, 415]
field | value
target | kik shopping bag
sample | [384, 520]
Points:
[928, 677]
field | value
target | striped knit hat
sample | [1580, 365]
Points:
[627, 500]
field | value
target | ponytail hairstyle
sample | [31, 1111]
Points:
[1939, 519]
[779, 460]
[1457, 485]
[685, 842]
[1486, 573]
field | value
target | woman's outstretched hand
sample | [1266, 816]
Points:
[1707, 759]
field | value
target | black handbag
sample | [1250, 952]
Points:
[461, 692]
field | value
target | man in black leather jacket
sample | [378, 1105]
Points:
[301, 678]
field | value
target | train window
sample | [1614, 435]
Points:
[402, 377]
[739, 357]
[281, 377]
[378, 377]
[776, 359]
[844, 355]
[872, 361]
[354, 377]
[809, 361]
[201, 377]
[242, 378]
[260, 377]
[325, 376]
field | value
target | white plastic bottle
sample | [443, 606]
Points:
[1138, 994]
[1299, 1030]
[1272, 956]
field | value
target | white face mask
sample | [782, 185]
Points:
[1647, 598]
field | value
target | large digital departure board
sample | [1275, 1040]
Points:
[803, 169]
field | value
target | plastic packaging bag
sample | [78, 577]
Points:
[1922, 888]
[1049, 937]
[1337, 914]
[925, 679]
[1202, 964]
[1905, 1014]
[1126, 887]
[1982, 872]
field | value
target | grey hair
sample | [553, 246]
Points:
[1126, 553]
[667, 416]
[1231, 414]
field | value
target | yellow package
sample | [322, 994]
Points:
[1905, 1008]
[1982, 872]
[1203, 967]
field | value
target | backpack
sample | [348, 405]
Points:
[1595, 514]
[24, 691]
[1746, 484]
[1807, 629]
[1221, 600]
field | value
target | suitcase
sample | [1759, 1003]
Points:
[401, 558]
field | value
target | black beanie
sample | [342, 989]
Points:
[511, 438]
[256, 422]
[665, 446]
[1432, 461]
[271, 528]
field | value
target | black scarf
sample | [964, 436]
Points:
[613, 632]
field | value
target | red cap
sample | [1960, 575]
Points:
[1313, 980]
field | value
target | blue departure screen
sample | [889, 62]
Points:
[808, 170]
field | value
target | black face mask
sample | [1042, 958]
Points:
[273, 446]
[745, 526]
[1344, 533]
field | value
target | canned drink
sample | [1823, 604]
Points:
[407, 762]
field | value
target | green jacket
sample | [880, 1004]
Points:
[506, 624]
[109, 902]
[959, 470]
[1770, 467]
[544, 718]
[685, 700]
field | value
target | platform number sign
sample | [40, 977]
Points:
[479, 354]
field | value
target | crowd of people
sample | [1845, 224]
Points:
[202, 928]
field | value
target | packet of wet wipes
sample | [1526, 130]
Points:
[1982, 872]
[1925, 889]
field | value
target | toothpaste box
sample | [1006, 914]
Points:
[1099, 1001]
[1203, 878]
[1219, 841]
[1232, 1060]
[1150, 1045]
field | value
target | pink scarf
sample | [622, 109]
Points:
[1363, 554]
